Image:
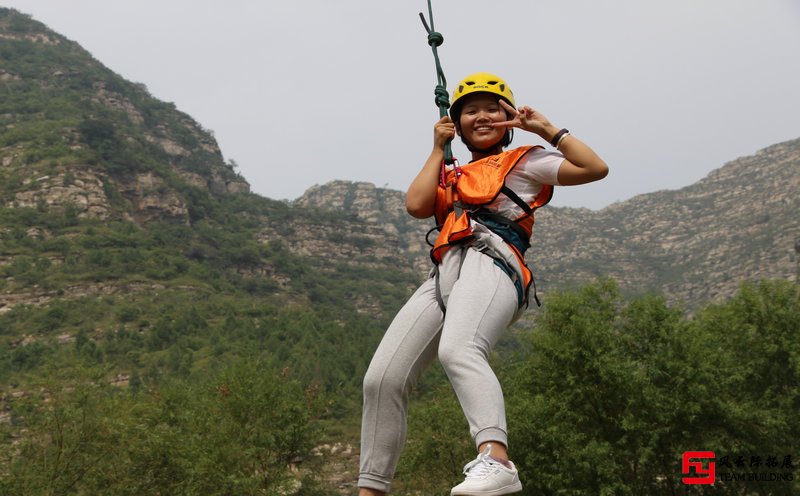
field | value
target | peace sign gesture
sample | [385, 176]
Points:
[525, 118]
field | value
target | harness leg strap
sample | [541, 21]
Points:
[439, 298]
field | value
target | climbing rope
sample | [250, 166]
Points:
[442, 99]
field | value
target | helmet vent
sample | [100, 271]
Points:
[482, 82]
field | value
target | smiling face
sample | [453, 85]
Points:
[478, 112]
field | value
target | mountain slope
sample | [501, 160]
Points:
[127, 242]
[74, 134]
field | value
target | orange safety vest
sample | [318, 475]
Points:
[479, 184]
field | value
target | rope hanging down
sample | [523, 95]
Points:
[442, 97]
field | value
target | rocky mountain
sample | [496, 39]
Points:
[741, 222]
[106, 191]
[76, 134]
[78, 139]
[380, 207]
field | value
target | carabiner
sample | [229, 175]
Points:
[443, 173]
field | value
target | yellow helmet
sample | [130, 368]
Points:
[485, 83]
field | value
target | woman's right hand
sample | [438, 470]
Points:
[443, 131]
[421, 194]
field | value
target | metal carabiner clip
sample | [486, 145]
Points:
[443, 173]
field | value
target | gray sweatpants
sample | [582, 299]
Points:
[481, 302]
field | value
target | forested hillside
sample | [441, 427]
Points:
[165, 331]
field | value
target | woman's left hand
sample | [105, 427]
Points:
[525, 118]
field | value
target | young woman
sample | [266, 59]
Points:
[480, 281]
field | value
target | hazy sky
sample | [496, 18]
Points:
[307, 91]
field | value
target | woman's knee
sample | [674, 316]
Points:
[383, 381]
[454, 355]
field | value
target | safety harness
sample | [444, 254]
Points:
[462, 198]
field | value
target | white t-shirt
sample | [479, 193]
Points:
[535, 168]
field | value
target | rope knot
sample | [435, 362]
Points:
[435, 39]
[442, 97]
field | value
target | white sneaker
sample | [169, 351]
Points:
[488, 477]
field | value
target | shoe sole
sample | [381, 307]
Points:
[513, 488]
